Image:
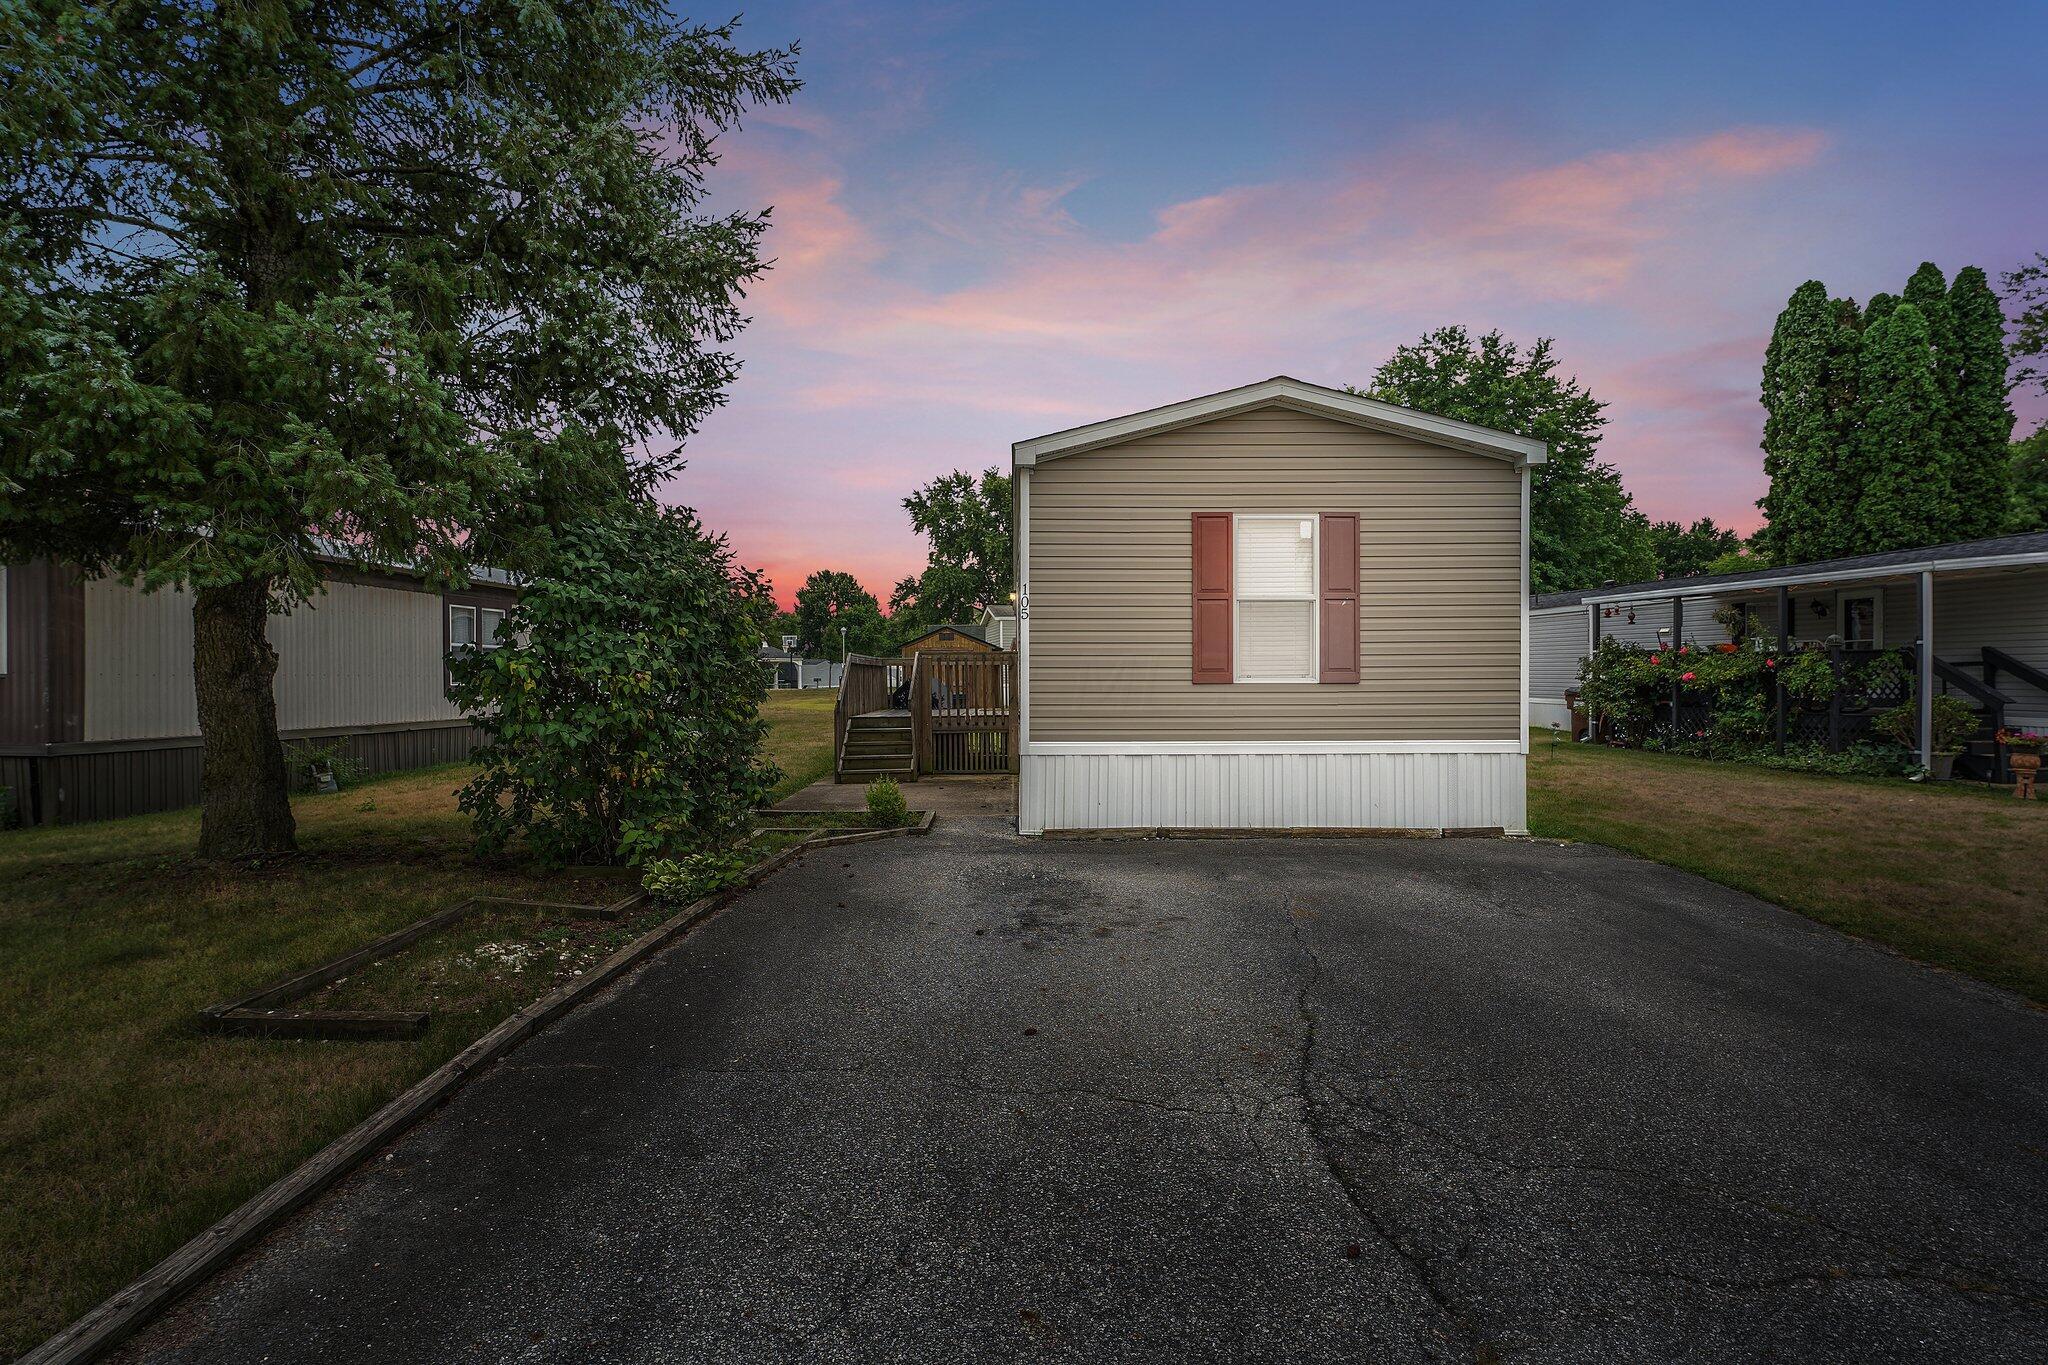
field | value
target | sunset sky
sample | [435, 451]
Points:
[994, 221]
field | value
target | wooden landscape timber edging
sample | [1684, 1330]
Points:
[120, 1316]
[255, 1013]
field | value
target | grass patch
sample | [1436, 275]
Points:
[124, 1129]
[1948, 874]
[799, 738]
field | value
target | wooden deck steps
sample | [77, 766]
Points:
[877, 745]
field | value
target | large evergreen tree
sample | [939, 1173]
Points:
[1584, 529]
[1809, 395]
[1888, 427]
[411, 278]
[1904, 494]
[1979, 416]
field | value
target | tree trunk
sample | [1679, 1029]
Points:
[245, 808]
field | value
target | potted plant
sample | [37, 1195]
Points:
[2023, 752]
[1954, 723]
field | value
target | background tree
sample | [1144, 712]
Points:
[410, 279]
[2029, 476]
[1584, 528]
[1684, 550]
[967, 520]
[829, 600]
[2026, 289]
[623, 718]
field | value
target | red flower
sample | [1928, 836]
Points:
[1770, 663]
[1685, 649]
[1686, 678]
[1655, 660]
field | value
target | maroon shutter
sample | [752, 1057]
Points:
[1212, 597]
[1339, 550]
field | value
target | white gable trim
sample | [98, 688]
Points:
[1286, 393]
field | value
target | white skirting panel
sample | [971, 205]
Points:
[1401, 790]
[1544, 714]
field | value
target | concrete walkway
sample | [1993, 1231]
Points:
[973, 1098]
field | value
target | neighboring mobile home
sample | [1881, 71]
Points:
[97, 712]
[1279, 607]
[1983, 603]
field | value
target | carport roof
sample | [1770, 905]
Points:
[1996, 552]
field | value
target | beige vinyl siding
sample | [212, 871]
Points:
[1440, 585]
[1557, 645]
[356, 655]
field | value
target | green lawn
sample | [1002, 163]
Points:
[124, 1130]
[1951, 874]
[799, 737]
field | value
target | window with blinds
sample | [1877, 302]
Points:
[1275, 588]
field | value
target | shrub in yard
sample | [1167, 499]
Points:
[621, 711]
[886, 806]
[697, 875]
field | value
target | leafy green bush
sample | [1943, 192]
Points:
[621, 712]
[1954, 722]
[690, 878]
[1809, 675]
[886, 806]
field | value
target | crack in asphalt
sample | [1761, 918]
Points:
[1327, 1103]
[1914, 1266]
[1313, 1121]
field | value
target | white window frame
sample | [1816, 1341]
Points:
[454, 646]
[1314, 598]
[1876, 599]
[496, 641]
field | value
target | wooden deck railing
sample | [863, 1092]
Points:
[963, 711]
[865, 685]
[966, 713]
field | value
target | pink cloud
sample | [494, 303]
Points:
[869, 375]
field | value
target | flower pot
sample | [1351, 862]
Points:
[2026, 767]
[1943, 768]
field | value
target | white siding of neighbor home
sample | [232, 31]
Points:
[2007, 609]
[1557, 645]
[1110, 566]
[357, 655]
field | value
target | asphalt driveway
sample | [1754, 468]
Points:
[975, 1098]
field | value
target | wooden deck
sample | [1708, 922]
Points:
[961, 719]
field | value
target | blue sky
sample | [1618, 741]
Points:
[992, 221]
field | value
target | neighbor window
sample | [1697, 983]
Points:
[489, 619]
[461, 628]
[1275, 570]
